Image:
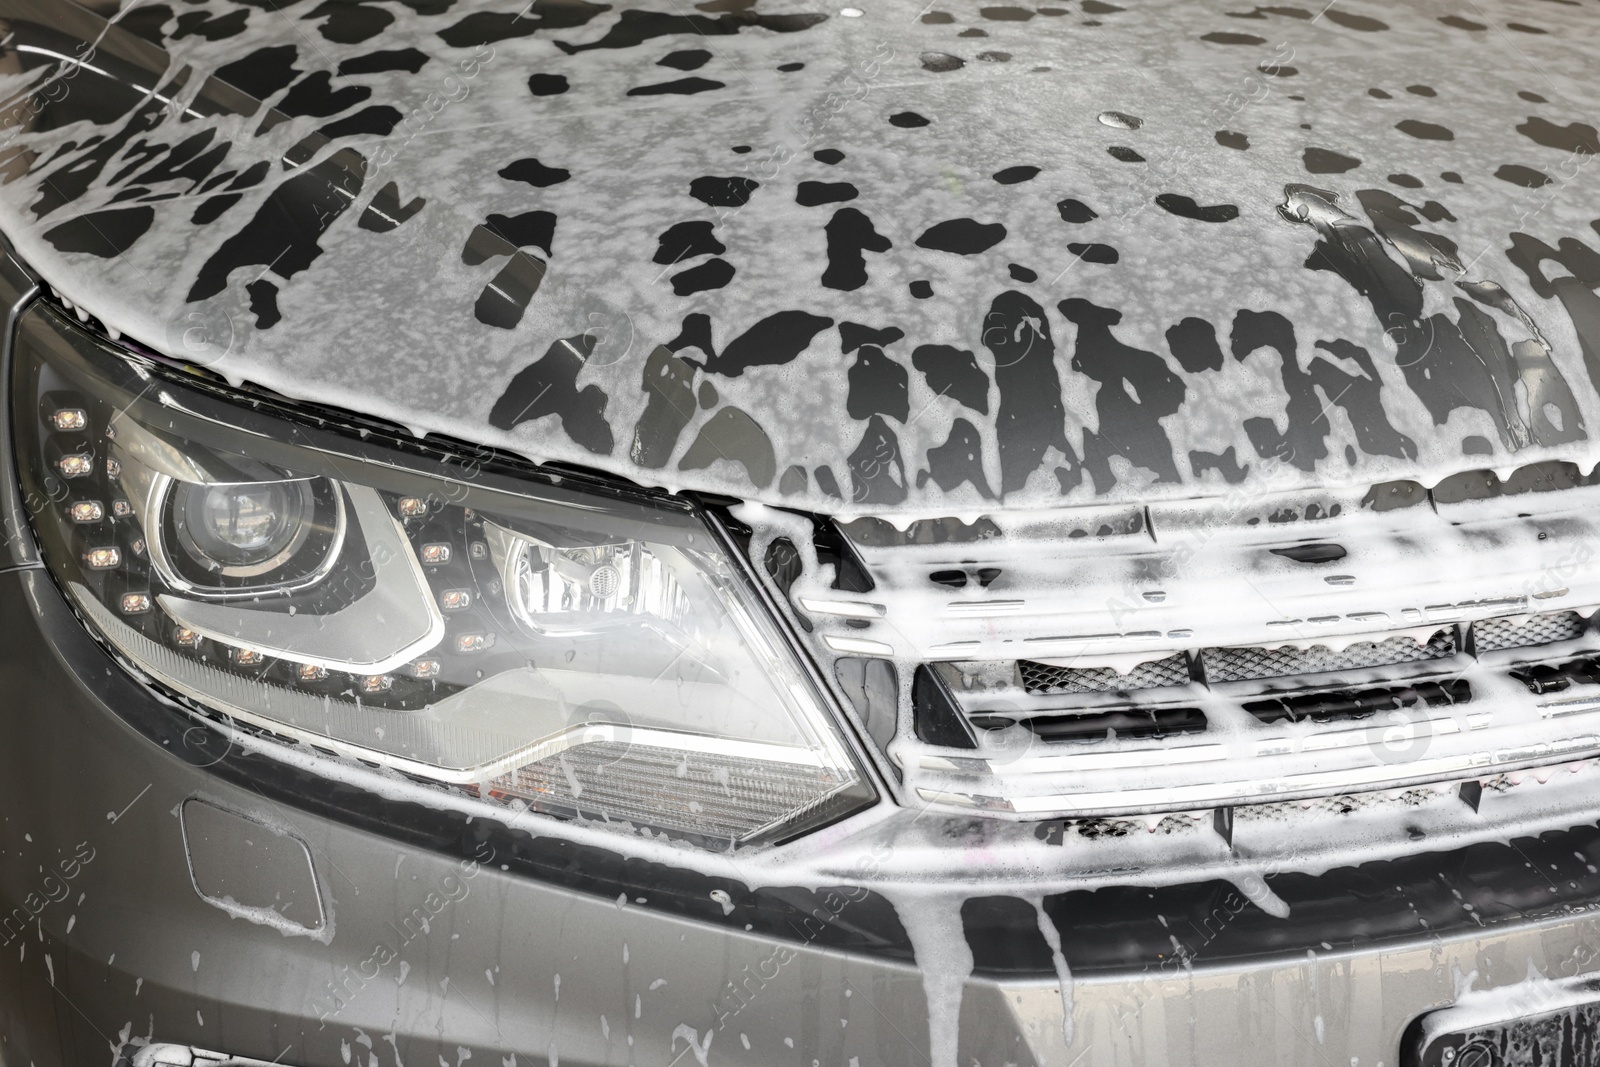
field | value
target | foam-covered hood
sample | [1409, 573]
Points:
[906, 258]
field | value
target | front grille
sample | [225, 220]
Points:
[1254, 649]
[1374, 715]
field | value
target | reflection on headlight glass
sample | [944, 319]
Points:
[591, 654]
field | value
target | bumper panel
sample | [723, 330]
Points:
[433, 953]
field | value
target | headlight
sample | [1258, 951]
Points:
[591, 652]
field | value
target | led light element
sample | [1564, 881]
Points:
[387, 626]
[604, 581]
[103, 559]
[75, 466]
[455, 600]
[435, 554]
[413, 507]
[85, 511]
[68, 419]
[135, 603]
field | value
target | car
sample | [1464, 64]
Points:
[763, 532]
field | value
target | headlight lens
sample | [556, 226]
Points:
[592, 653]
[242, 530]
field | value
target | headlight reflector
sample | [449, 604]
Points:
[588, 651]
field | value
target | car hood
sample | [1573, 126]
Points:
[900, 260]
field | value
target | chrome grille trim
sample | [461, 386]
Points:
[1246, 648]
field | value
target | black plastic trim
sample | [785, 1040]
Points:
[18, 287]
[1375, 906]
[936, 717]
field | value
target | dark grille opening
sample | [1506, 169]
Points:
[1094, 829]
[1554, 677]
[936, 716]
[1046, 679]
[1084, 705]
[1149, 723]
[956, 579]
[785, 566]
[1349, 704]
[1248, 664]
[1493, 634]
[1315, 553]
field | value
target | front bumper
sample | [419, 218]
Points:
[125, 950]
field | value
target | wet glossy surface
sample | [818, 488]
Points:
[1174, 245]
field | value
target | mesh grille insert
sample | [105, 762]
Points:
[1343, 804]
[1526, 632]
[1094, 829]
[1043, 678]
[1247, 664]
